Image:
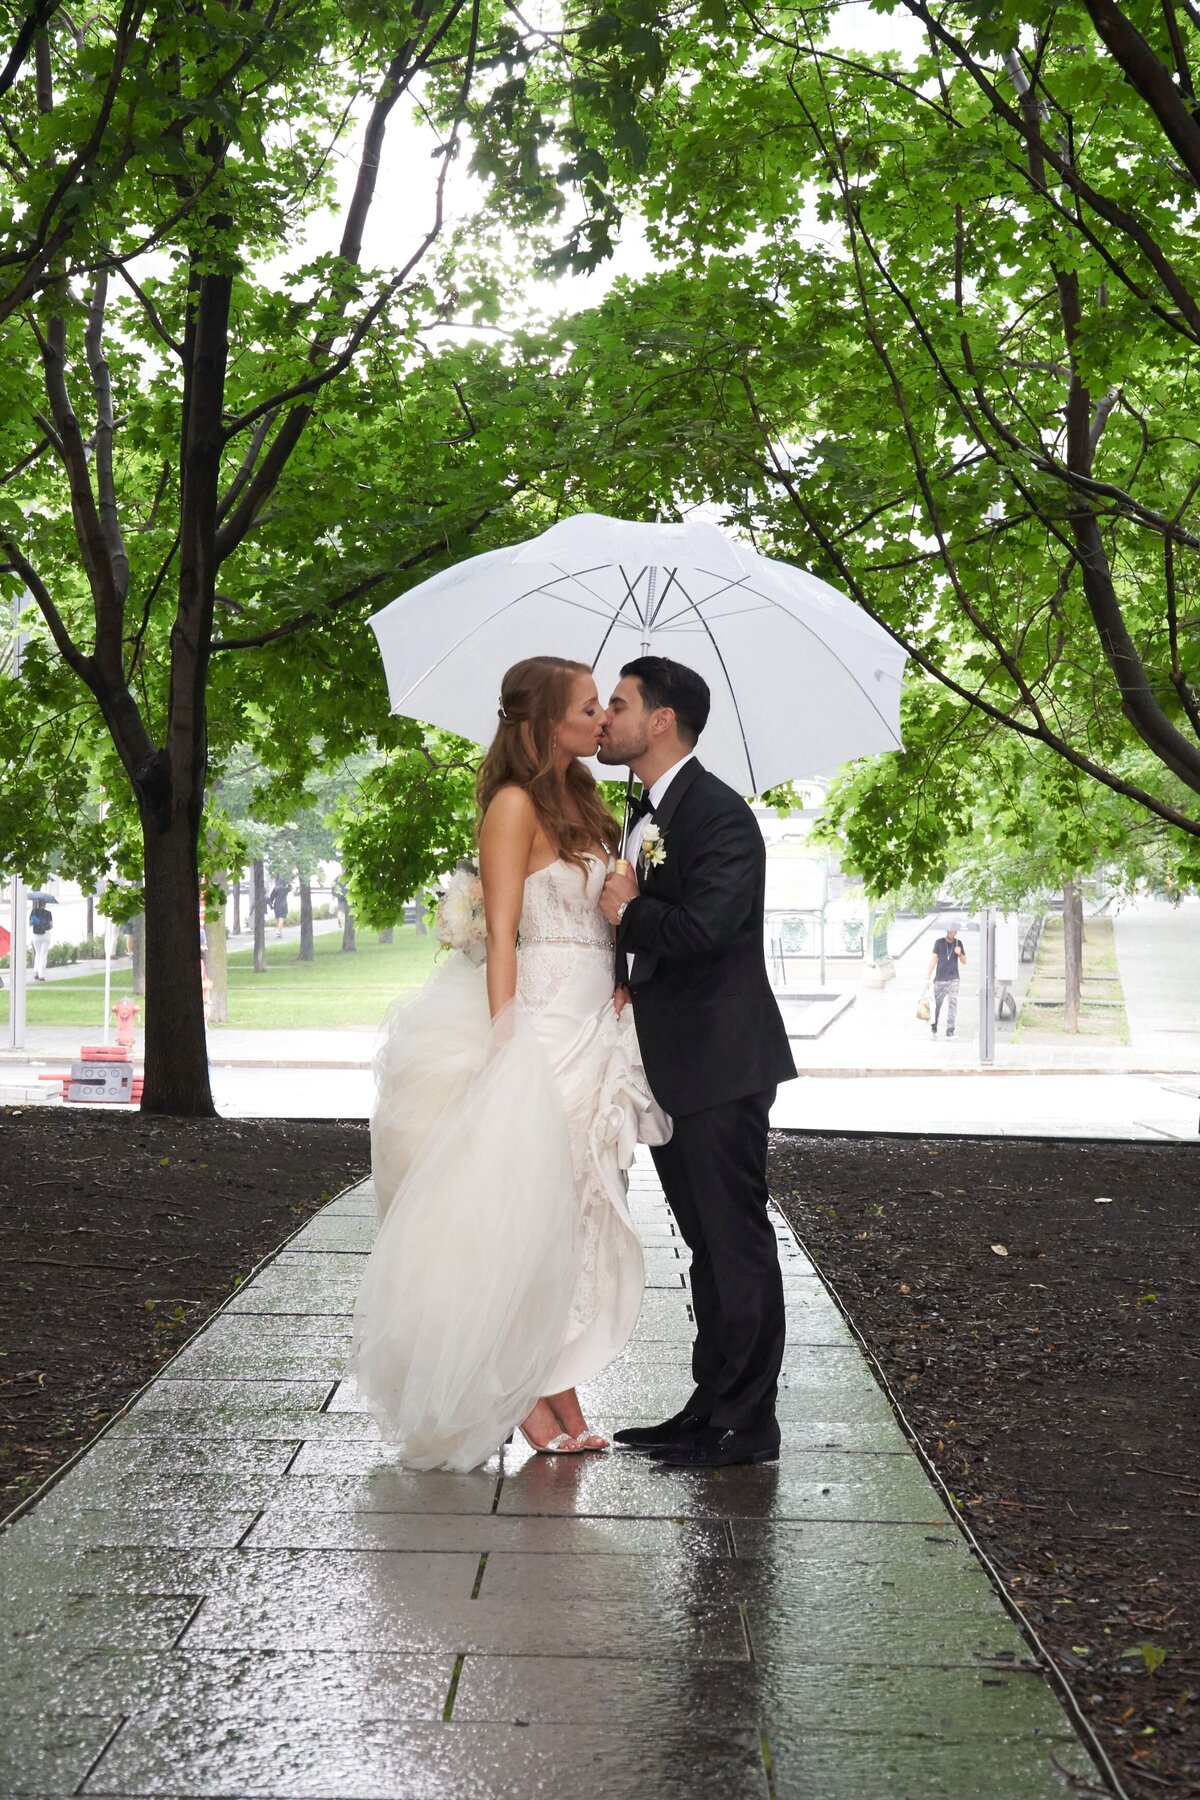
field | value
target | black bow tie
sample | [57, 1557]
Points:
[640, 807]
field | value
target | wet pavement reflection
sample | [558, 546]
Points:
[239, 1591]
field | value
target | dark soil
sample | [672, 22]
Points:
[119, 1234]
[1035, 1309]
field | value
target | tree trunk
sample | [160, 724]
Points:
[422, 928]
[176, 1080]
[348, 930]
[1072, 954]
[387, 936]
[306, 920]
[237, 906]
[136, 932]
[258, 915]
[218, 965]
[91, 920]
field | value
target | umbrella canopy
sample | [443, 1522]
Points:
[33, 895]
[801, 678]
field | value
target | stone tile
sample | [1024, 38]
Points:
[842, 1541]
[790, 1700]
[320, 1478]
[355, 1234]
[167, 1395]
[282, 1361]
[97, 1621]
[205, 1493]
[123, 1527]
[276, 1330]
[643, 1351]
[330, 1758]
[798, 1589]
[337, 1614]
[288, 1291]
[286, 1526]
[317, 1265]
[49, 1752]
[275, 1426]
[114, 1459]
[370, 1456]
[1013, 1767]
[875, 1488]
[258, 1684]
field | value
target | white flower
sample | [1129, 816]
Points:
[459, 919]
[654, 849]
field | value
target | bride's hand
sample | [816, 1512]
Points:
[621, 1000]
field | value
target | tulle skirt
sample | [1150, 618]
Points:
[506, 1265]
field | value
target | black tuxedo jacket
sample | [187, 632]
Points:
[691, 949]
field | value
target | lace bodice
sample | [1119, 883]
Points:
[562, 931]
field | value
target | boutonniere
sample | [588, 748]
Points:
[654, 846]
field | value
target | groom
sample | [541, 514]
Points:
[690, 948]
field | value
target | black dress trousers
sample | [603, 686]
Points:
[714, 1174]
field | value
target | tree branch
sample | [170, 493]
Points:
[1107, 209]
[1179, 680]
[1040, 732]
[398, 76]
[318, 617]
[35, 21]
[1150, 80]
[110, 521]
[68, 649]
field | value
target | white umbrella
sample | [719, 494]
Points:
[801, 678]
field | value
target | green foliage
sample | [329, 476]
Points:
[409, 821]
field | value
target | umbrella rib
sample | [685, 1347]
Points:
[618, 612]
[538, 588]
[742, 583]
[737, 711]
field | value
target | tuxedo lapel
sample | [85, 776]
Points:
[665, 813]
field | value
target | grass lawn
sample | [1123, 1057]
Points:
[331, 991]
[1102, 1000]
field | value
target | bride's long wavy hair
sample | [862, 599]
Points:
[534, 696]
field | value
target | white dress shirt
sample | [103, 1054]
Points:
[658, 794]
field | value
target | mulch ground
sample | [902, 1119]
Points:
[1034, 1307]
[119, 1234]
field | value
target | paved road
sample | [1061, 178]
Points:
[238, 1591]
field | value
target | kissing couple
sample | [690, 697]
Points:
[619, 1002]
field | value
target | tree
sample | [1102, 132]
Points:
[934, 320]
[160, 421]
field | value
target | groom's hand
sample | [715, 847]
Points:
[617, 889]
[621, 999]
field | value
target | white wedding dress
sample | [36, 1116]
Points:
[506, 1265]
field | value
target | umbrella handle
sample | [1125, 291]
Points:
[622, 860]
[624, 866]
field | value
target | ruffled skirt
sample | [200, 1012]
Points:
[506, 1265]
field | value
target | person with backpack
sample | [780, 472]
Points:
[41, 928]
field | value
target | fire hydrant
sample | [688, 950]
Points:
[125, 1012]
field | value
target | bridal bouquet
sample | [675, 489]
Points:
[458, 918]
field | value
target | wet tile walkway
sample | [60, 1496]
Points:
[238, 1592]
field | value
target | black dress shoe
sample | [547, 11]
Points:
[677, 1430]
[718, 1447]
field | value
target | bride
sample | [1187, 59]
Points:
[510, 1098]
